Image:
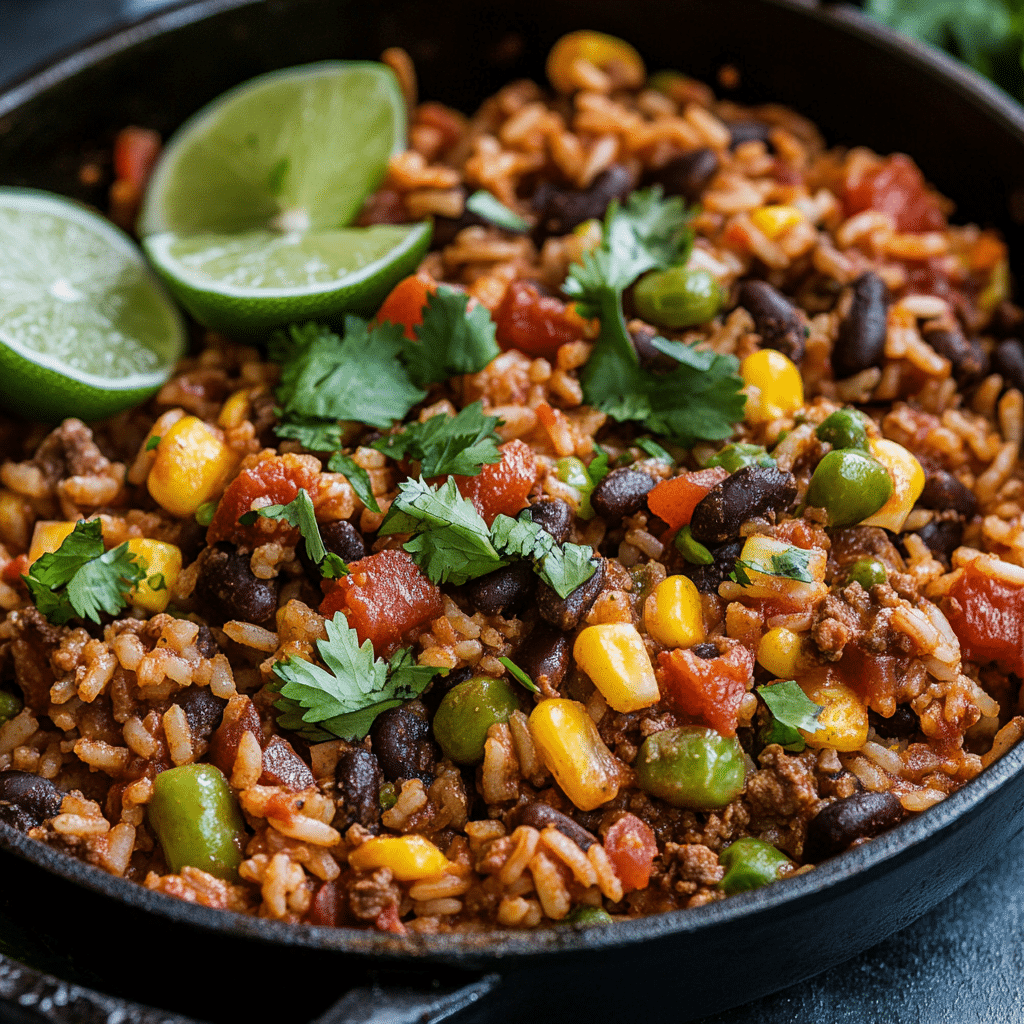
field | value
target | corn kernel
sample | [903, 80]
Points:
[672, 614]
[907, 480]
[777, 389]
[191, 467]
[572, 750]
[47, 536]
[613, 56]
[773, 220]
[163, 564]
[843, 722]
[235, 410]
[410, 857]
[779, 652]
[614, 656]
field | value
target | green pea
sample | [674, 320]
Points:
[467, 711]
[205, 513]
[691, 767]
[850, 486]
[735, 456]
[586, 915]
[197, 821]
[692, 550]
[844, 429]
[388, 796]
[750, 863]
[678, 297]
[573, 472]
[10, 705]
[867, 572]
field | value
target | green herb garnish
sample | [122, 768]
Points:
[153, 443]
[791, 710]
[519, 675]
[791, 564]
[485, 206]
[357, 477]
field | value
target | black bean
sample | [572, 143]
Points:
[1008, 359]
[708, 578]
[555, 516]
[203, 710]
[27, 800]
[227, 588]
[650, 357]
[943, 490]
[902, 725]
[749, 131]
[688, 175]
[943, 536]
[970, 362]
[401, 740]
[861, 816]
[861, 339]
[562, 209]
[1007, 320]
[749, 492]
[566, 612]
[781, 324]
[205, 643]
[343, 539]
[505, 589]
[623, 492]
[358, 779]
[706, 651]
[540, 816]
[545, 652]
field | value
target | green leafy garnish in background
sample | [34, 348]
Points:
[791, 710]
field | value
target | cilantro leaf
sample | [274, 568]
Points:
[153, 443]
[358, 377]
[357, 477]
[452, 339]
[654, 450]
[484, 205]
[519, 675]
[450, 541]
[314, 434]
[562, 568]
[792, 564]
[299, 512]
[791, 710]
[81, 578]
[345, 700]
[460, 444]
[598, 468]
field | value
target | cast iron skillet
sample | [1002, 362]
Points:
[860, 85]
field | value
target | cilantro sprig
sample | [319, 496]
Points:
[82, 579]
[699, 398]
[792, 564]
[299, 512]
[344, 699]
[790, 710]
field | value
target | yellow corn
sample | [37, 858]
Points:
[776, 388]
[672, 614]
[163, 563]
[614, 656]
[191, 467]
[235, 410]
[907, 484]
[572, 750]
[779, 652]
[774, 220]
[843, 722]
[616, 58]
[47, 536]
[410, 857]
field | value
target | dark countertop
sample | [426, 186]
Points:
[962, 963]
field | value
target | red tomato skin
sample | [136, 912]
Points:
[987, 616]
[706, 689]
[384, 596]
[135, 153]
[898, 188]
[674, 500]
[631, 848]
[533, 323]
[502, 487]
[405, 302]
[15, 569]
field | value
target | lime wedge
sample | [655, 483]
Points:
[86, 328]
[245, 215]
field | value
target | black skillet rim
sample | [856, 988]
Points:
[945, 818]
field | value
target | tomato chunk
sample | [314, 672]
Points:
[988, 617]
[274, 477]
[533, 323]
[405, 302]
[384, 596]
[135, 153]
[15, 569]
[501, 488]
[674, 500]
[898, 188]
[709, 689]
[631, 848]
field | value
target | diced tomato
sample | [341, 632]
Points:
[135, 153]
[274, 477]
[15, 569]
[240, 716]
[711, 689]
[631, 848]
[389, 921]
[896, 187]
[384, 596]
[533, 323]
[283, 767]
[502, 487]
[405, 302]
[988, 617]
[674, 500]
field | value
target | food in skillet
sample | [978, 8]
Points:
[656, 539]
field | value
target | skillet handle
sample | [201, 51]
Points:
[377, 1004]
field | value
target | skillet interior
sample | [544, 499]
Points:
[860, 86]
